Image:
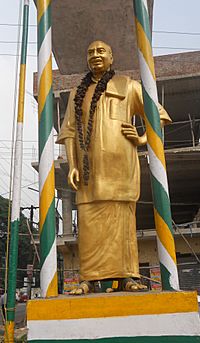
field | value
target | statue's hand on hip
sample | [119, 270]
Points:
[130, 132]
[73, 178]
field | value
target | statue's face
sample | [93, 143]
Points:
[99, 57]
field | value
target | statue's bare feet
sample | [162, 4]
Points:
[132, 285]
[84, 288]
[109, 290]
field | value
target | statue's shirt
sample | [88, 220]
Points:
[113, 159]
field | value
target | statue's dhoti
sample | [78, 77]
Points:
[107, 240]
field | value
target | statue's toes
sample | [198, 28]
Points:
[109, 290]
[143, 286]
[79, 291]
[138, 287]
[72, 292]
[76, 291]
[134, 288]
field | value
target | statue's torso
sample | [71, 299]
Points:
[114, 166]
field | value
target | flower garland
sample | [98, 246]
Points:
[78, 100]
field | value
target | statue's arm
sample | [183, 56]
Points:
[130, 131]
[73, 175]
[67, 137]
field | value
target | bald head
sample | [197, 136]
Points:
[102, 44]
[99, 57]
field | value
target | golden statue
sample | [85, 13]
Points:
[101, 145]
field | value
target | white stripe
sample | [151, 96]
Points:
[145, 5]
[147, 79]
[169, 264]
[132, 326]
[44, 53]
[16, 198]
[46, 160]
[26, 2]
[48, 270]
[158, 169]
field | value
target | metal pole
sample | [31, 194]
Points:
[162, 212]
[33, 241]
[192, 131]
[163, 104]
[48, 258]
[16, 198]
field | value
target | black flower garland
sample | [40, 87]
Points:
[78, 100]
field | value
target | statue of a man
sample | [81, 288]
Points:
[101, 145]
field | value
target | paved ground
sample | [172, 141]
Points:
[20, 335]
[20, 324]
[20, 316]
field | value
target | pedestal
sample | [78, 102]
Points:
[118, 317]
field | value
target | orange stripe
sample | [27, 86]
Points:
[44, 86]
[112, 305]
[46, 196]
[145, 47]
[20, 115]
[41, 8]
[9, 332]
[165, 235]
[155, 142]
[52, 290]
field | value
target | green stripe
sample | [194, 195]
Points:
[44, 26]
[47, 236]
[161, 202]
[152, 113]
[25, 34]
[46, 122]
[165, 278]
[144, 339]
[142, 17]
[12, 271]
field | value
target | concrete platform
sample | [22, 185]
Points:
[118, 317]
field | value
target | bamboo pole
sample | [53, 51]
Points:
[48, 258]
[162, 211]
[16, 198]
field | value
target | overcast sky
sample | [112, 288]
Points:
[170, 16]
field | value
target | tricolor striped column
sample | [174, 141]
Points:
[162, 212]
[16, 198]
[48, 275]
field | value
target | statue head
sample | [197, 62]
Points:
[99, 57]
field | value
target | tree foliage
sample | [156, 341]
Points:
[25, 248]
